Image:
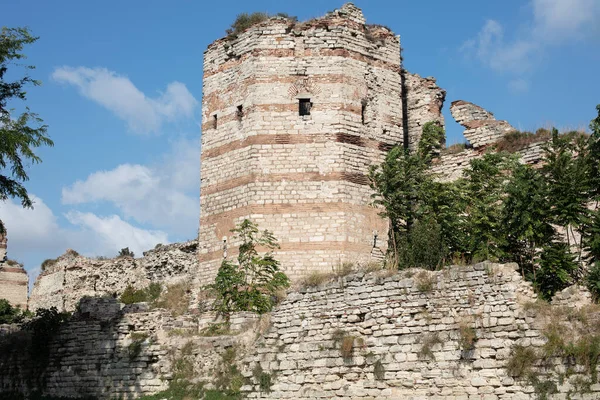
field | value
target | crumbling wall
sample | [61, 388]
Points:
[425, 100]
[481, 126]
[482, 131]
[71, 276]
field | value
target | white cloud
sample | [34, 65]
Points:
[165, 194]
[112, 233]
[118, 94]
[31, 229]
[553, 22]
[35, 234]
[560, 20]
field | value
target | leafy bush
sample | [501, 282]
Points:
[125, 252]
[148, 294]
[48, 263]
[251, 284]
[10, 314]
[422, 247]
[521, 361]
[43, 327]
[228, 377]
[431, 142]
[517, 140]
[262, 378]
[557, 266]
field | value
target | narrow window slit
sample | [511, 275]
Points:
[239, 113]
[215, 121]
[362, 112]
[304, 106]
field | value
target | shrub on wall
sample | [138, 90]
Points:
[251, 284]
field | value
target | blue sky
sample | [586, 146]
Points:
[122, 86]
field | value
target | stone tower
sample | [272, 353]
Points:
[13, 278]
[293, 115]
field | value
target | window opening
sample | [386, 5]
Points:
[363, 109]
[215, 121]
[304, 107]
[239, 112]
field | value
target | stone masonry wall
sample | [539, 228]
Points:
[482, 131]
[425, 100]
[481, 126]
[14, 282]
[72, 276]
[108, 350]
[405, 338]
[405, 334]
[302, 177]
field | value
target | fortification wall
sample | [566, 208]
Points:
[71, 276]
[14, 282]
[413, 335]
[405, 338]
[108, 350]
[302, 177]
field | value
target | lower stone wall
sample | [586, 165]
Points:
[108, 350]
[406, 336]
[410, 335]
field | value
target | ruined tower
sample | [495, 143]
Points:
[293, 116]
[13, 278]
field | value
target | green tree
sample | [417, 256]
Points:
[445, 202]
[568, 175]
[396, 183]
[125, 252]
[20, 132]
[526, 218]
[431, 142]
[8, 313]
[252, 283]
[557, 267]
[485, 187]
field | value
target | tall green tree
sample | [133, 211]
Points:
[20, 132]
[525, 218]
[485, 186]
